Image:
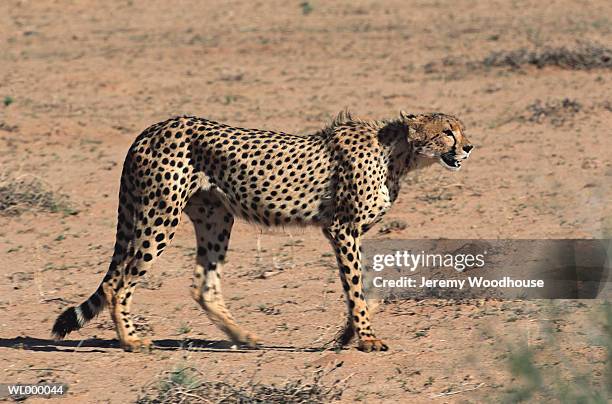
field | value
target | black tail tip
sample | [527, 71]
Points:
[65, 323]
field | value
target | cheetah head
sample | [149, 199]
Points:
[438, 137]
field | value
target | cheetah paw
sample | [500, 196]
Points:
[137, 345]
[372, 344]
[248, 339]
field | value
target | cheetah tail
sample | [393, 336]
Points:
[76, 317]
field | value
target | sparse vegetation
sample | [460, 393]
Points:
[269, 310]
[185, 385]
[556, 112]
[28, 193]
[8, 128]
[307, 8]
[581, 57]
[8, 100]
[536, 382]
[183, 329]
[420, 333]
[392, 226]
[584, 57]
[228, 99]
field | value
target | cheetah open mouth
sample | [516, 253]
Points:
[449, 162]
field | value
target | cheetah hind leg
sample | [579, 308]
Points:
[128, 338]
[145, 245]
[213, 225]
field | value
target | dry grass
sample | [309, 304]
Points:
[579, 57]
[185, 385]
[392, 226]
[582, 57]
[556, 112]
[19, 194]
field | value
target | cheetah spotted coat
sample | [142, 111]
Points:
[342, 179]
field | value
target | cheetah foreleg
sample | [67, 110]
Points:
[346, 243]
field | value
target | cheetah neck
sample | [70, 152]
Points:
[397, 154]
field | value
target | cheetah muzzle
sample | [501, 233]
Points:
[342, 179]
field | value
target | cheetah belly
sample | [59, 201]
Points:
[274, 209]
[278, 202]
[379, 209]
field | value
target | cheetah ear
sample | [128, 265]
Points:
[406, 116]
[409, 119]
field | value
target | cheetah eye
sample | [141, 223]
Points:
[449, 132]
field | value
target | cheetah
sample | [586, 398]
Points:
[343, 179]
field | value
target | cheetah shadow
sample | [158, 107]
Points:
[94, 345]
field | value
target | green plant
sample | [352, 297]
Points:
[307, 8]
[180, 376]
[540, 382]
[184, 329]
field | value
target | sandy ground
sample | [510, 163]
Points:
[80, 79]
